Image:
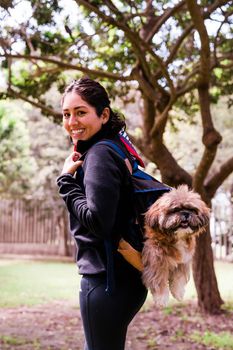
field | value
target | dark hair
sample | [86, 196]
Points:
[96, 96]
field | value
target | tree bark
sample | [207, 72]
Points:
[209, 299]
[157, 152]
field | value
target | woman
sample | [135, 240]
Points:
[95, 187]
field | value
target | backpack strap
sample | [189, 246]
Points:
[110, 287]
[119, 150]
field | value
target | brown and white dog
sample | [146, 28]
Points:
[171, 225]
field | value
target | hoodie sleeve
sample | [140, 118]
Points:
[96, 207]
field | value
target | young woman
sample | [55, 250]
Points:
[95, 187]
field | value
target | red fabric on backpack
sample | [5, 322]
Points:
[130, 148]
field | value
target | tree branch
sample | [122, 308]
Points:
[211, 138]
[150, 91]
[132, 36]
[203, 168]
[198, 20]
[183, 90]
[183, 86]
[185, 33]
[112, 7]
[148, 115]
[157, 22]
[178, 43]
[49, 111]
[171, 172]
[46, 70]
[166, 163]
[145, 86]
[161, 120]
[9, 71]
[69, 66]
[218, 178]
[156, 151]
[138, 44]
[217, 35]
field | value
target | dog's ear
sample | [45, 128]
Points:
[204, 217]
[152, 217]
[203, 210]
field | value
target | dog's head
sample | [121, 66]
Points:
[180, 212]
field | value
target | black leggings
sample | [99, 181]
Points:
[106, 317]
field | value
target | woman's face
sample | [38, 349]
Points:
[80, 119]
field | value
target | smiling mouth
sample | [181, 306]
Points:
[78, 132]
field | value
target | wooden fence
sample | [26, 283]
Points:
[30, 227]
[221, 227]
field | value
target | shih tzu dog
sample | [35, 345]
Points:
[171, 225]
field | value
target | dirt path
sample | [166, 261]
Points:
[57, 326]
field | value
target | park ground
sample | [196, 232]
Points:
[31, 321]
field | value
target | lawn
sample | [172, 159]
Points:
[224, 273]
[28, 283]
[34, 282]
[39, 307]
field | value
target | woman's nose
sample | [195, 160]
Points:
[73, 120]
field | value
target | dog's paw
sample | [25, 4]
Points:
[161, 300]
[177, 290]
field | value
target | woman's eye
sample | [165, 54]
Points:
[66, 115]
[80, 113]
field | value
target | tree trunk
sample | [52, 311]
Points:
[209, 299]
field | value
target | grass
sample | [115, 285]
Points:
[15, 342]
[12, 340]
[9, 340]
[223, 340]
[224, 274]
[34, 282]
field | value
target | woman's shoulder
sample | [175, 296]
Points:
[106, 150]
[106, 146]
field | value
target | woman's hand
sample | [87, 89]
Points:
[72, 163]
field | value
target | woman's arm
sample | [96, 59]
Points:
[96, 208]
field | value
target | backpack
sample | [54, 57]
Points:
[145, 191]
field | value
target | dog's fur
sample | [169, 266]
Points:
[171, 225]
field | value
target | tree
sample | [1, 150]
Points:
[32, 152]
[16, 163]
[176, 54]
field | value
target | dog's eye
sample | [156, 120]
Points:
[174, 210]
[194, 210]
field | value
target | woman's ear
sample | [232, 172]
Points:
[105, 115]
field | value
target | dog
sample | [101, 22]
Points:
[171, 225]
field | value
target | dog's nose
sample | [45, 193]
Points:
[185, 215]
